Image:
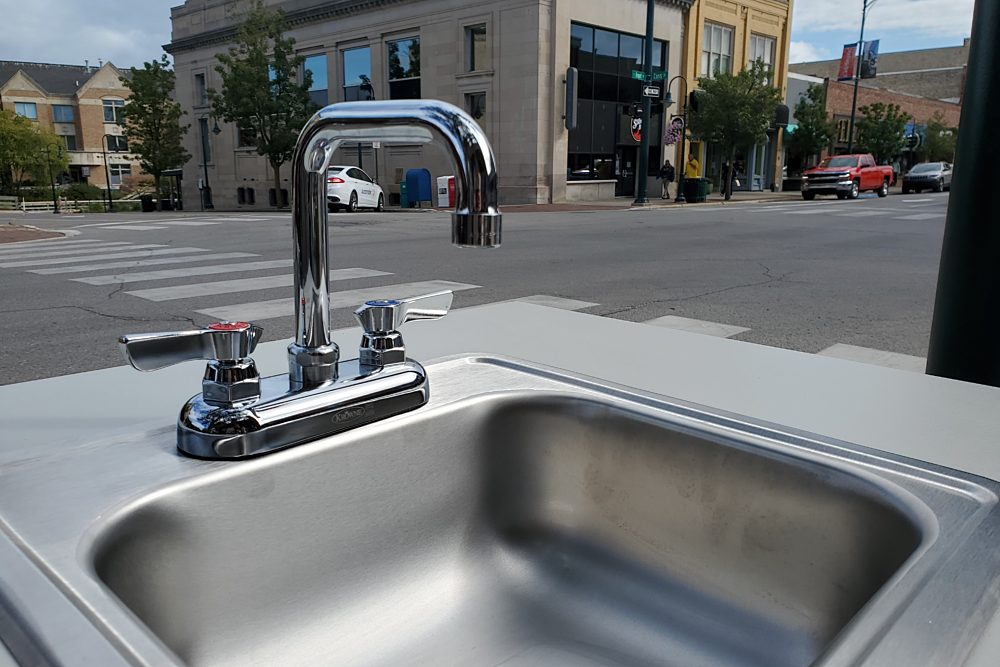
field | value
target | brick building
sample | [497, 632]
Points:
[79, 103]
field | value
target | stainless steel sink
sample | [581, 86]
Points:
[523, 517]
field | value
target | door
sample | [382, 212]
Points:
[363, 186]
[625, 168]
[870, 176]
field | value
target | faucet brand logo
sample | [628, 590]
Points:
[350, 415]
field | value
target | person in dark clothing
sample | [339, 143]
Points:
[666, 177]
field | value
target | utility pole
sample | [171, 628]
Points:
[857, 73]
[647, 67]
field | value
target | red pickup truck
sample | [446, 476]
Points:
[846, 176]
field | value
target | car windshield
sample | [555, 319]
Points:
[926, 168]
[839, 162]
[335, 170]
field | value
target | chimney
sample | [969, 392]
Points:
[86, 63]
[100, 63]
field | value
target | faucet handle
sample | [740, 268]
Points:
[381, 343]
[221, 341]
[386, 315]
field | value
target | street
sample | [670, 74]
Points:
[824, 276]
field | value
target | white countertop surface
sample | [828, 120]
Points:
[949, 423]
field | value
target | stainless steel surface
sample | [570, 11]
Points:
[381, 343]
[476, 220]
[524, 516]
[238, 415]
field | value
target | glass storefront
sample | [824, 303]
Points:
[603, 145]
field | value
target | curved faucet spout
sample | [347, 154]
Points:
[476, 220]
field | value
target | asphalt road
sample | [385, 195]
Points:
[792, 274]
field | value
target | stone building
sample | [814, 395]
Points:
[504, 61]
[79, 103]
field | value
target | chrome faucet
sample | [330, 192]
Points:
[239, 414]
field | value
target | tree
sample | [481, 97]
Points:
[815, 132]
[259, 90]
[881, 131]
[735, 111]
[153, 120]
[27, 153]
[939, 141]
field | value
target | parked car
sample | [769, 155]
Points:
[846, 176]
[351, 188]
[934, 176]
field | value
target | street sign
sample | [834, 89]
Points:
[659, 76]
[638, 74]
[651, 91]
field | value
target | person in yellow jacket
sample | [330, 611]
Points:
[693, 168]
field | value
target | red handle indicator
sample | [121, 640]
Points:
[229, 326]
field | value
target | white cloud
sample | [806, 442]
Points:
[804, 52]
[940, 18]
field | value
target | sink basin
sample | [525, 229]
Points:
[544, 521]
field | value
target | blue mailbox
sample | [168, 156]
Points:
[418, 186]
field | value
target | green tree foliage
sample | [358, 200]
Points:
[881, 131]
[153, 119]
[27, 153]
[815, 132]
[939, 141]
[260, 89]
[735, 111]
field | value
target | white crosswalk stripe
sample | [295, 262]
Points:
[243, 285]
[265, 310]
[19, 248]
[919, 216]
[186, 272]
[142, 262]
[121, 246]
[120, 255]
[133, 228]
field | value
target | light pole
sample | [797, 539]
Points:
[107, 174]
[206, 193]
[647, 68]
[679, 199]
[857, 73]
[52, 182]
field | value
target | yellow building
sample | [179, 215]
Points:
[726, 35]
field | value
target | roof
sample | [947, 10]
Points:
[54, 79]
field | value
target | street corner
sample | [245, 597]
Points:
[11, 232]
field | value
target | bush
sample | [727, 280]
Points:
[36, 193]
[82, 191]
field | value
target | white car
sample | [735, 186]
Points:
[351, 188]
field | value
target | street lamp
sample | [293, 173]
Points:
[206, 192]
[867, 4]
[107, 174]
[679, 199]
[52, 182]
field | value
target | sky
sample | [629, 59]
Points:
[130, 32]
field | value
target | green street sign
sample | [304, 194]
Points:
[638, 74]
[659, 76]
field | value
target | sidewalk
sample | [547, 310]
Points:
[11, 233]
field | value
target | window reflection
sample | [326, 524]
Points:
[358, 74]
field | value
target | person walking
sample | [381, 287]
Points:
[666, 178]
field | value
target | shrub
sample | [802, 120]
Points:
[82, 191]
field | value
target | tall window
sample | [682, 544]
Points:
[70, 141]
[404, 68]
[716, 50]
[762, 49]
[26, 109]
[318, 88]
[118, 172]
[117, 144]
[113, 110]
[475, 48]
[475, 104]
[62, 113]
[358, 74]
[200, 90]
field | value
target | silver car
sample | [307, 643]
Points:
[934, 176]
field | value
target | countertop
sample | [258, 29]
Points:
[941, 421]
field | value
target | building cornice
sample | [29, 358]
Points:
[334, 9]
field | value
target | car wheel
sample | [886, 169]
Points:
[381, 204]
[809, 196]
[352, 206]
[855, 190]
[939, 185]
[884, 190]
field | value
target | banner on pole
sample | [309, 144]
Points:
[869, 59]
[847, 63]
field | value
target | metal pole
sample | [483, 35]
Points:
[857, 77]
[52, 181]
[963, 343]
[107, 174]
[643, 171]
[206, 193]
[361, 164]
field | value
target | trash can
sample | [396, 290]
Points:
[696, 189]
[404, 200]
[146, 203]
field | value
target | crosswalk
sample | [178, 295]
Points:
[905, 210]
[101, 263]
